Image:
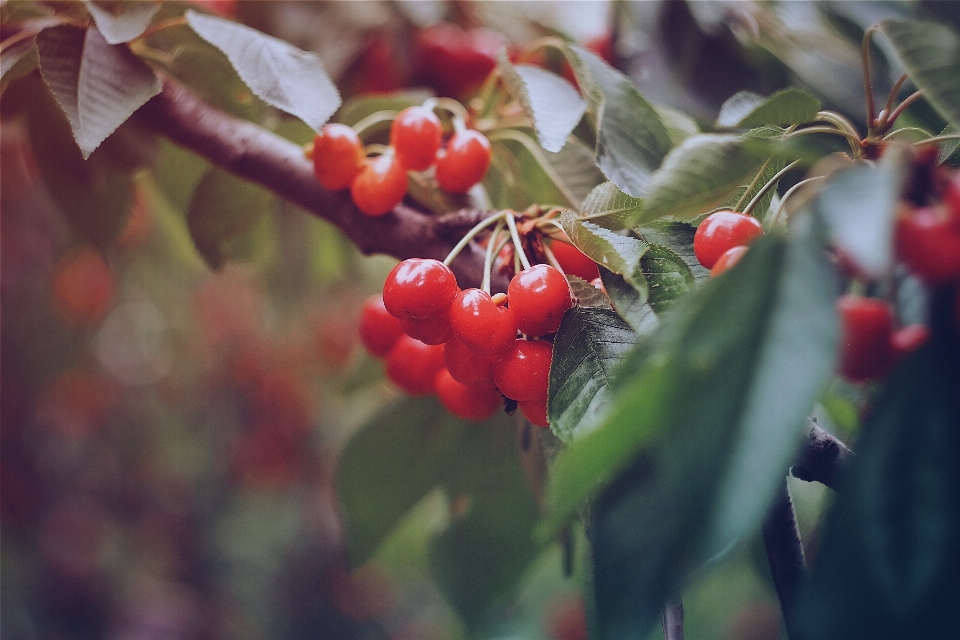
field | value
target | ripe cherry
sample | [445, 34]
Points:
[379, 330]
[723, 230]
[419, 288]
[866, 330]
[455, 62]
[535, 411]
[906, 339]
[482, 325]
[523, 371]
[83, 286]
[539, 296]
[928, 242]
[727, 259]
[574, 261]
[413, 365]
[433, 330]
[380, 185]
[337, 156]
[464, 162]
[416, 134]
[469, 402]
[467, 366]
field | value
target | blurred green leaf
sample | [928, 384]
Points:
[629, 303]
[280, 74]
[589, 345]
[575, 168]
[521, 174]
[783, 108]
[17, 61]
[668, 277]
[679, 125]
[618, 253]
[97, 85]
[121, 22]
[552, 103]
[931, 54]
[609, 207]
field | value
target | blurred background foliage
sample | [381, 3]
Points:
[170, 434]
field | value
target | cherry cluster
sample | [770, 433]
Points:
[470, 348]
[378, 183]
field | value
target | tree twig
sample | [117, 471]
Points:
[822, 458]
[672, 619]
[781, 538]
[253, 153]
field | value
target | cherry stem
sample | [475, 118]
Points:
[160, 26]
[752, 184]
[935, 139]
[552, 258]
[924, 134]
[459, 124]
[485, 96]
[376, 149]
[488, 257]
[449, 105]
[774, 217]
[373, 120]
[838, 121]
[893, 94]
[470, 235]
[512, 223]
[765, 189]
[854, 140]
[867, 82]
[913, 97]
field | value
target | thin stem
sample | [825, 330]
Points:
[775, 216]
[487, 90]
[838, 121]
[936, 139]
[896, 132]
[765, 189]
[518, 248]
[852, 138]
[488, 257]
[160, 26]
[373, 120]
[31, 28]
[893, 93]
[672, 619]
[910, 99]
[552, 259]
[753, 183]
[450, 105]
[867, 82]
[470, 235]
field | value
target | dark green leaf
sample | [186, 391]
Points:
[224, 209]
[575, 168]
[521, 173]
[860, 205]
[629, 303]
[786, 107]
[679, 125]
[631, 139]
[668, 277]
[209, 74]
[618, 253]
[280, 74]
[609, 207]
[949, 148]
[698, 175]
[552, 103]
[121, 21]
[678, 238]
[931, 54]
[589, 345]
[98, 85]
[586, 294]
[890, 556]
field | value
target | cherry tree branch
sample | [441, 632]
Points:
[822, 458]
[253, 153]
[781, 538]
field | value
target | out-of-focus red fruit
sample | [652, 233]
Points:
[727, 259]
[413, 365]
[455, 62]
[906, 339]
[435, 330]
[466, 365]
[535, 411]
[225, 8]
[566, 619]
[379, 330]
[75, 404]
[230, 308]
[469, 402]
[866, 331]
[377, 69]
[262, 460]
[928, 242]
[574, 261]
[602, 45]
[83, 286]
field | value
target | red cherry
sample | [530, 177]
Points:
[482, 325]
[455, 62]
[727, 259]
[574, 261]
[469, 402]
[951, 199]
[337, 156]
[380, 185]
[433, 330]
[539, 296]
[467, 366]
[906, 339]
[379, 330]
[535, 411]
[723, 230]
[866, 347]
[413, 365]
[464, 162]
[83, 286]
[416, 134]
[419, 288]
[523, 371]
[928, 243]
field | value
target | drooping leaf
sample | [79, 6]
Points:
[631, 139]
[860, 205]
[668, 277]
[121, 21]
[629, 303]
[783, 108]
[678, 238]
[609, 207]
[521, 173]
[589, 346]
[931, 54]
[280, 74]
[97, 85]
[698, 175]
[575, 168]
[223, 210]
[552, 103]
[679, 125]
[706, 414]
[890, 554]
[618, 253]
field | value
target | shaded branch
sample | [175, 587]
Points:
[822, 458]
[253, 153]
[781, 538]
[672, 619]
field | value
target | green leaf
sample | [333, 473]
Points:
[552, 103]
[586, 294]
[121, 22]
[280, 74]
[224, 209]
[889, 559]
[521, 173]
[931, 54]
[698, 175]
[575, 168]
[629, 303]
[94, 195]
[620, 254]
[679, 125]
[783, 108]
[678, 238]
[589, 345]
[17, 61]
[668, 277]
[609, 207]
[706, 415]
[631, 139]
[97, 85]
[949, 148]
[860, 205]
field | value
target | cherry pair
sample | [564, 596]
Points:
[722, 238]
